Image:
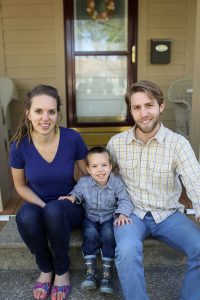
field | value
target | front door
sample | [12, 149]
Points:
[101, 43]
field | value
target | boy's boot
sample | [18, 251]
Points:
[106, 281]
[90, 281]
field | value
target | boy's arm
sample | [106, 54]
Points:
[125, 205]
[76, 195]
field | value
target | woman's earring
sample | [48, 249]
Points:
[30, 128]
[57, 129]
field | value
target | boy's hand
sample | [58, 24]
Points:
[70, 198]
[122, 220]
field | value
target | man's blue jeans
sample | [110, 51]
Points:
[52, 223]
[98, 236]
[177, 231]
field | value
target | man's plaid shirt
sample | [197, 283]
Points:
[151, 171]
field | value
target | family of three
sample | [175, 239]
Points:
[142, 201]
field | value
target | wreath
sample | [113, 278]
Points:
[104, 15]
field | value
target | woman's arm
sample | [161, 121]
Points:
[82, 167]
[23, 190]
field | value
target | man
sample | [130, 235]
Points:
[151, 159]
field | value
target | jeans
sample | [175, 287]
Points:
[177, 231]
[98, 235]
[38, 226]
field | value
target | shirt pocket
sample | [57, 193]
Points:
[161, 175]
[128, 169]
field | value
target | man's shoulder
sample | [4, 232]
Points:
[121, 135]
[174, 136]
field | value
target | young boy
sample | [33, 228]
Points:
[104, 196]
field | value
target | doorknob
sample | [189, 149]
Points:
[133, 54]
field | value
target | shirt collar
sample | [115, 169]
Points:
[160, 135]
[109, 184]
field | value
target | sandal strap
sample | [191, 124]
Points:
[66, 289]
[46, 286]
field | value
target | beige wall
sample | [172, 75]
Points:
[32, 45]
[32, 48]
[169, 19]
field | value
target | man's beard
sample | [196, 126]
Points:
[148, 129]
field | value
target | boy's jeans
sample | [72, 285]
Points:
[177, 231]
[98, 235]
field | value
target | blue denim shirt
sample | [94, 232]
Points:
[101, 202]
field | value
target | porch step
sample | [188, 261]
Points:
[15, 255]
[162, 283]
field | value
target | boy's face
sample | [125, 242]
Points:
[99, 167]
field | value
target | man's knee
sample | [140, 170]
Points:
[127, 248]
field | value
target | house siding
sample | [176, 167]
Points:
[32, 46]
[171, 20]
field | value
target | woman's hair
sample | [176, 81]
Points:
[147, 87]
[24, 126]
[95, 150]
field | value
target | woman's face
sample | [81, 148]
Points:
[43, 114]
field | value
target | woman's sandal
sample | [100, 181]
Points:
[45, 286]
[65, 289]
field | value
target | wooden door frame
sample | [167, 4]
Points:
[70, 62]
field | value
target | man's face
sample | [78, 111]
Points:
[146, 112]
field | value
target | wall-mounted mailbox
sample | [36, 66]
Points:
[160, 51]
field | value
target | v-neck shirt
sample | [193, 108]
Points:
[49, 180]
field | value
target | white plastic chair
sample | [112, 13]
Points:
[180, 94]
[8, 92]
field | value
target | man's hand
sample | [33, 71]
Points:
[122, 220]
[70, 198]
[198, 219]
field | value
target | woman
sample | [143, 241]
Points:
[42, 159]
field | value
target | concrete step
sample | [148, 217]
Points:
[15, 255]
[163, 283]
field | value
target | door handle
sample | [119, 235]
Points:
[133, 54]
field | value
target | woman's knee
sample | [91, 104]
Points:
[29, 220]
[52, 210]
[28, 214]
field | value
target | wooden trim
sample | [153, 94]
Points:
[195, 136]
[70, 61]
[60, 55]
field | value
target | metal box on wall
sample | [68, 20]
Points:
[160, 51]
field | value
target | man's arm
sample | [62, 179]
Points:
[189, 170]
[125, 205]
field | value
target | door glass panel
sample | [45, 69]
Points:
[100, 25]
[101, 83]
[101, 47]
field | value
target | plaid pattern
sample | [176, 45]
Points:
[151, 171]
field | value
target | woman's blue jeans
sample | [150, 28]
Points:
[51, 224]
[98, 236]
[177, 231]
